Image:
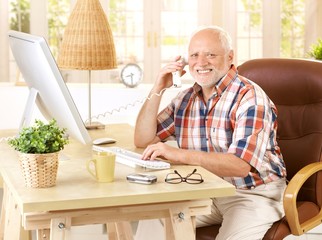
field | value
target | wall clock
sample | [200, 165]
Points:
[131, 75]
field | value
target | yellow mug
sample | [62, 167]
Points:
[104, 163]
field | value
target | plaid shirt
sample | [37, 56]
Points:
[239, 118]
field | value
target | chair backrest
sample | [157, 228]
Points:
[295, 86]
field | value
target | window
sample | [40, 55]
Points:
[254, 31]
[152, 32]
[249, 29]
[145, 33]
[57, 15]
[19, 15]
[292, 28]
[126, 21]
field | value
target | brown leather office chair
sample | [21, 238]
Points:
[295, 86]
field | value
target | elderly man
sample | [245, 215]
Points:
[226, 124]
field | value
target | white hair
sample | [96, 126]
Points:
[224, 37]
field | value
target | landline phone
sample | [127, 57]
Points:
[176, 76]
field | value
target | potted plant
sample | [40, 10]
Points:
[38, 147]
[316, 50]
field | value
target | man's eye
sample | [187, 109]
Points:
[211, 55]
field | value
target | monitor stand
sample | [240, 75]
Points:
[29, 109]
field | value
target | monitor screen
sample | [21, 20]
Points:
[47, 88]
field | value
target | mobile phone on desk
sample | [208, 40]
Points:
[141, 178]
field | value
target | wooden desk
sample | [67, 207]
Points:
[77, 199]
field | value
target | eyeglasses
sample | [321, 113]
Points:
[191, 178]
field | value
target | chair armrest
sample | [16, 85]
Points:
[290, 197]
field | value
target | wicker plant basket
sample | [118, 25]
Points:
[39, 170]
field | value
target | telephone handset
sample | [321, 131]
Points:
[176, 76]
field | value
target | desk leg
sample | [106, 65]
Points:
[11, 218]
[180, 225]
[43, 234]
[60, 228]
[25, 235]
[111, 231]
[119, 231]
[3, 212]
[169, 234]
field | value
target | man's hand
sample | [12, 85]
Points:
[165, 78]
[161, 150]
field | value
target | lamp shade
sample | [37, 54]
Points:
[88, 40]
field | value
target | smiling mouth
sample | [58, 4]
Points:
[204, 71]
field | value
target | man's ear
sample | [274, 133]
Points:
[231, 55]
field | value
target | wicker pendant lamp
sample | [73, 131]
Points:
[87, 42]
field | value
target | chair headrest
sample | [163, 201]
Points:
[286, 81]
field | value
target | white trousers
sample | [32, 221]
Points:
[244, 216]
[248, 214]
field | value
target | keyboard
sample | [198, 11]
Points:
[132, 159]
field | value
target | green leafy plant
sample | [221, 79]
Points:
[40, 138]
[316, 50]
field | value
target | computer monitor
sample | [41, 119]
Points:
[47, 88]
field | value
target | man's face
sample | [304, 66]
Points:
[208, 60]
